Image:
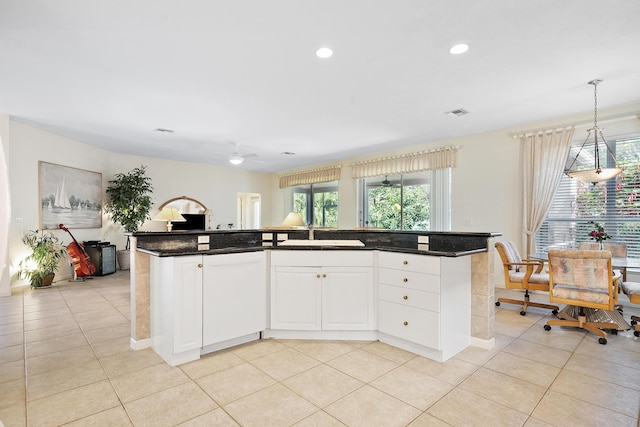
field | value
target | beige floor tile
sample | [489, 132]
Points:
[322, 385]
[538, 352]
[116, 417]
[113, 346]
[11, 371]
[67, 319]
[387, 351]
[462, 408]
[218, 418]
[453, 371]
[59, 360]
[106, 312]
[562, 410]
[103, 322]
[428, 420]
[92, 306]
[256, 349]
[324, 350]
[211, 363]
[604, 370]
[415, 388]
[12, 318]
[108, 333]
[13, 393]
[368, 406]
[525, 369]
[558, 337]
[170, 407]
[272, 406]
[362, 365]
[476, 355]
[123, 363]
[72, 405]
[11, 328]
[598, 392]
[357, 343]
[619, 350]
[284, 363]
[52, 332]
[319, 419]
[67, 378]
[46, 314]
[14, 415]
[53, 305]
[137, 384]
[505, 390]
[534, 422]
[11, 354]
[233, 383]
[53, 345]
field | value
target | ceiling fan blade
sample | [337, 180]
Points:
[248, 156]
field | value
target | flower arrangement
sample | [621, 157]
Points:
[598, 234]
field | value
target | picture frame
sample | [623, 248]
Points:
[69, 196]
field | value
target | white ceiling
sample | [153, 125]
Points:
[220, 72]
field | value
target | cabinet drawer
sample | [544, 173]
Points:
[410, 297]
[409, 279]
[409, 262]
[408, 323]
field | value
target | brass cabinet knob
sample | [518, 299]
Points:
[405, 262]
[405, 297]
[318, 275]
[199, 265]
[405, 323]
[405, 280]
[324, 275]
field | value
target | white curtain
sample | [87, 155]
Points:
[545, 157]
[441, 158]
[310, 176]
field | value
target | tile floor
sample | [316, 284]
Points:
[65, 360]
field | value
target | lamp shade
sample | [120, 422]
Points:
[236, 159]
[293, 220]
[169, 214]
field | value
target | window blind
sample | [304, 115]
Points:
[441, 158]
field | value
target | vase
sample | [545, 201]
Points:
[601, 245]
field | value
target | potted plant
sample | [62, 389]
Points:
[129, 204]
[40, 266]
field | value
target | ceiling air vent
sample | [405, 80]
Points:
[457, 112]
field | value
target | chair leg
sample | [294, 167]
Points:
[581, 322]
[635, 325]
[526, 302]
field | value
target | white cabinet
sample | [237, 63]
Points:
[316, 290]
[202, 301]
[176, 307]
[424, 303]
[234, 296]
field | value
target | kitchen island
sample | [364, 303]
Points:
[197, 292]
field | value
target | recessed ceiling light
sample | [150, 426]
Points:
[459, 48]
[324, 53]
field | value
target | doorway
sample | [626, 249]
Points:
[248, 211]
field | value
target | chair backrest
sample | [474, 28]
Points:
[582, 278]
[508, 253]
[618, 250]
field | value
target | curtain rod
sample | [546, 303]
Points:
[399, 156]
[615, 117]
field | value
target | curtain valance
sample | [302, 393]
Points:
[311, 176]
[441, 158]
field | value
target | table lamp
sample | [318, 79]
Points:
[293, 220]
[169, 215]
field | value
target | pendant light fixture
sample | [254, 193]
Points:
[597, 174]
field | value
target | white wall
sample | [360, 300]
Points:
[215, 187]
[5, 206]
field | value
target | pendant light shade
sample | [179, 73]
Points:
[597, 174]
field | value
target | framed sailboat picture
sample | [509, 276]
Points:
[69, 196]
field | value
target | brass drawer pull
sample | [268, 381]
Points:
[405, 262]
[199, 265]
[405, 297]
[318, 275]
[406, 323]
[405, 280]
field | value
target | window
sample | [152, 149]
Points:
[404, 202]
[614, 203]
[317, 203]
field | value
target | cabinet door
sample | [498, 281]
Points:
[187, 303]
[347, 298]
[234, 296]
[296, 298]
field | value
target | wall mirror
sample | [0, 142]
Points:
[194, 213]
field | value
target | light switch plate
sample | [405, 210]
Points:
[203, 239]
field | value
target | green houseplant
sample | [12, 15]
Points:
[129, 204]
[40, 266]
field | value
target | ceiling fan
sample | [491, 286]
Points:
[386, 182]
[237, 158]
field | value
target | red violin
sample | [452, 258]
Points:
[82, 264]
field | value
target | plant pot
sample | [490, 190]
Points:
[123, 258]
[47, 281]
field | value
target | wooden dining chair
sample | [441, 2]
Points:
[583, 279]
[525, 274]
[632, 290]
[618, 250]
